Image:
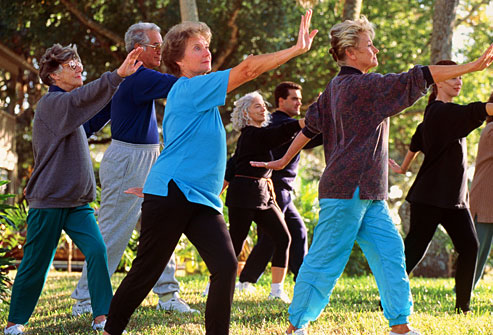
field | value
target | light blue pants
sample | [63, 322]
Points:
[44, 227]
[124, 165]
[485, 237]
[341, 223]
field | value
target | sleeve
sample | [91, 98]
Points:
[150, 85]
[230, 169]
[98, 121]
[390, 94]
[417, 139]
[272, 137]
[453, 121]
[67, 111]
[209, 90]
[315, 142]
[312, 118]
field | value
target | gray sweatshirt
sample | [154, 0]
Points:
[63, 176]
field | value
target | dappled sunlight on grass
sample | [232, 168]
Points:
[353, 309]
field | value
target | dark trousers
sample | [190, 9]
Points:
[264, 249]
[460, 227]
[164, 220]
[272, 222]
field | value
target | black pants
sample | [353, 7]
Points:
[264, 249]
[164, 220]
[272, 222]
[459, 226]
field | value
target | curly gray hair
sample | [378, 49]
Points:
[240, 116]
[136, 33]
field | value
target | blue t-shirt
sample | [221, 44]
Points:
[133, 116]
[194, 153]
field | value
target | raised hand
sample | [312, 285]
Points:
[305, 37]
[485, 60]
[130, 64]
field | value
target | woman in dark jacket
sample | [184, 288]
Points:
[251, 193]
[439, 193]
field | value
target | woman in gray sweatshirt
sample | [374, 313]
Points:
[62, 184]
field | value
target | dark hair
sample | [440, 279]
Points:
[175, 42]
[54, 57]
[434, 89]
[282, 90]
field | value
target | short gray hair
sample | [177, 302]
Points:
[53, 58]
[345, 35]
[240, 117]
[137, 33]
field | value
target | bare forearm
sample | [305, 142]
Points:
[298, 143]
[489, 108]
[444, 72]
[410, 156]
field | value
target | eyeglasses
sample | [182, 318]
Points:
[155, 47]
[73, 64]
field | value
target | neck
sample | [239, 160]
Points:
[444, 97]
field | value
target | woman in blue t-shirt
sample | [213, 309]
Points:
[181, 194]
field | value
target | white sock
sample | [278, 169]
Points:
[276, 288]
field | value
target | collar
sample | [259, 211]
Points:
[54, 88]
[348, 70]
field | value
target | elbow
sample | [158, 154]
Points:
[249, 71]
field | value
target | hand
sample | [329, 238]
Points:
[130, 64]
[395, 167]
[485, 60]
[305, 37]
[135, 191]
[274, 165]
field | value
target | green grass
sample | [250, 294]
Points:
[353, 310]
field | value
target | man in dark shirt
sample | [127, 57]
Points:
[287, 97]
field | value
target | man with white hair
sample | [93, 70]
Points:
[127, 161]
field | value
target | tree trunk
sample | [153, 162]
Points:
[352, 9]
[443, 29]
[188, 10]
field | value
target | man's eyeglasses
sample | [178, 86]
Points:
[73, 64]
[155, 47]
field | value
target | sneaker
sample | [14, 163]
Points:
[14, 330]
[411, 332]
[99, 327]
[300, 331]
[175, 304]
[81, 307]
[281, 296]
[206, 290]
[245, 287]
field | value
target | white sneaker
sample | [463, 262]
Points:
[300, 331]
[17, 329]
[283, 297]
[176, 304]
[245, 287]
[206, 290]
[99, 327]
[411, 332]
[81, 307]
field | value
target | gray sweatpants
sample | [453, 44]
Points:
[124, 165]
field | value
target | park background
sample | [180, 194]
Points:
[408, 32]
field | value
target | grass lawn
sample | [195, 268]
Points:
[353, 310]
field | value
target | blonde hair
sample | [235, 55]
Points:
[345, 35]
[240, 116]
[175, 42]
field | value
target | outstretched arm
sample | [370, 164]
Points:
[402, 169]
[444, 72]
[253, 66]
[295, 147]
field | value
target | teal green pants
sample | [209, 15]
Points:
[44, 227]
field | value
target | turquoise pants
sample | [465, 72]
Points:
[44, 227]
[341, 223]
